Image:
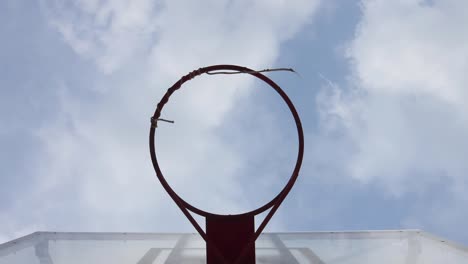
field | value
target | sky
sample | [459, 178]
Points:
[380, 89]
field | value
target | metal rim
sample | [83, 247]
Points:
[179, 201]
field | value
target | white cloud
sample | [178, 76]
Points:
[407, 47]
[95, 169]
[405, 116]
[109, 32]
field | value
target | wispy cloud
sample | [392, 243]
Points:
[403, 116]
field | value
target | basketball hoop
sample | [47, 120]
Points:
[229, 238]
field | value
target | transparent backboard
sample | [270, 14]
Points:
[407, 246]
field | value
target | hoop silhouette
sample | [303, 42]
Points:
[229, 238]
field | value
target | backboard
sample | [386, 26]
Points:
[398, 246]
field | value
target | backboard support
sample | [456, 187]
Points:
[231, 234]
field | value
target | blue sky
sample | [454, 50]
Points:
[381, 93]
